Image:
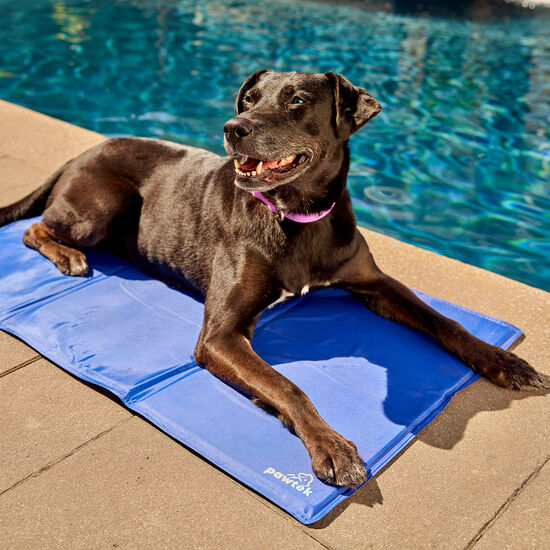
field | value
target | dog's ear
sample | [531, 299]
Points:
[353, 106]
[248, 83]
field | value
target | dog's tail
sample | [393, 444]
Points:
[32, 204]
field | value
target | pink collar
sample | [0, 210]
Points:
[294, 216]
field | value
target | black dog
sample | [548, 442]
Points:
[235, 230]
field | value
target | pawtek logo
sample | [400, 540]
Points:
[300, 482]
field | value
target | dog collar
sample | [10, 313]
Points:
[294, 216]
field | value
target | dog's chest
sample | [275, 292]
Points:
[287, 294]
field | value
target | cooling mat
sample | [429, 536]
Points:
[374, 381]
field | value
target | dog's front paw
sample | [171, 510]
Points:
[509, 371]
[72, 262]
[335, 460]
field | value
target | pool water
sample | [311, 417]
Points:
[457, 162]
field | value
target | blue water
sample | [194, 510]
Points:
[458, 161]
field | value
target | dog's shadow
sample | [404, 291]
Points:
[342, 338]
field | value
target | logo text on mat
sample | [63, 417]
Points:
[300, 482]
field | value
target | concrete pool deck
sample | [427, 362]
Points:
[79, 470]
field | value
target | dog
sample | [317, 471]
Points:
[272, 219]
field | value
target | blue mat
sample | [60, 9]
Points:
[375, 382]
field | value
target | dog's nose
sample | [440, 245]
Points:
[237, 128]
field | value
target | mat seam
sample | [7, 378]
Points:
[56, 461]
[515, 494]
[21, 365]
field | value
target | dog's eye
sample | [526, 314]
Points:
[296, 100]
[248, 98]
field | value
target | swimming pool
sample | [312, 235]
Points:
[458, 161]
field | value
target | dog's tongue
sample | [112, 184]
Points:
[250, 164]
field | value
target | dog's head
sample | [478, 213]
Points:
[291, 124]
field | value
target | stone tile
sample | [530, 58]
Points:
[524, 522]
[137, 488]
[51, 161]
[13, 352]
[34, 137]
[18, 179]
[46, 413]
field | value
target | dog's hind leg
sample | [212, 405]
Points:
[88, 205]
[68, 260]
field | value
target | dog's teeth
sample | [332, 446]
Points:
[244, 173]
[287, 160]
[237, 165]
[259, 168]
